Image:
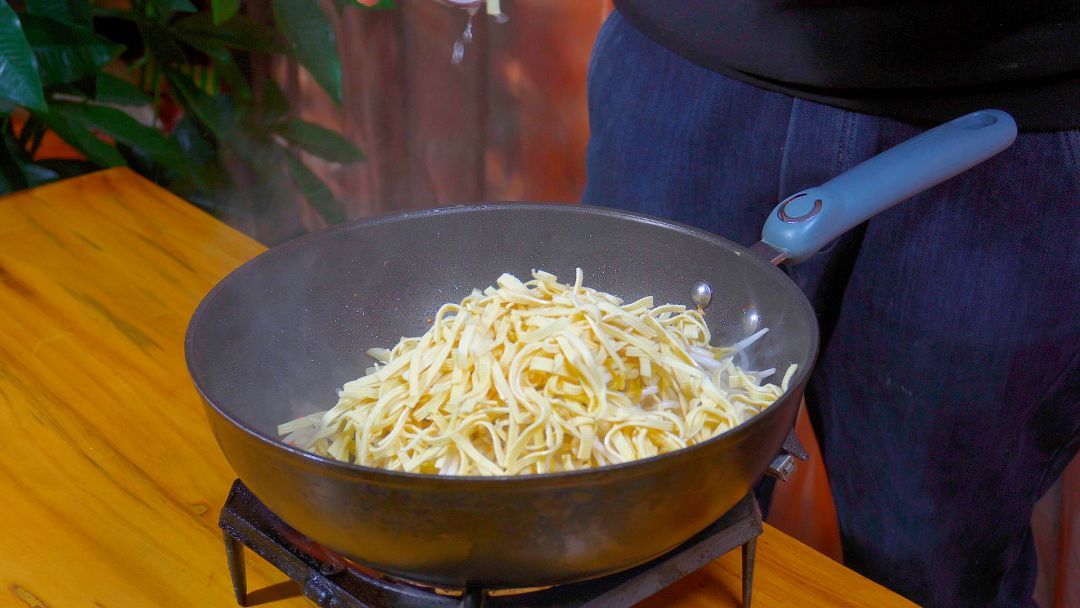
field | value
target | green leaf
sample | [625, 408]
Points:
[342, 5]
[315, 191]
[6, 185]
[67, 167]
[320, 141]
[19, 81]
[74, 133]
[194, 141]
[274, 106]
[85, 88]
[71, 12]
[123, 128]
[232, 76]
[225, 68]
[115, 90]
[161, 43]
[16, 167]
[211, 111]
[174, 6]
[240, 32]
[224, 10]
[66, 53]
[308, 31]
[37, 174]
[11, 156]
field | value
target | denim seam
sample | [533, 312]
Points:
[1072, 146]
[1017, 549]
[785, 157]
[846, 144]
[1058, 453]
[1051, 462]
[1062, 377]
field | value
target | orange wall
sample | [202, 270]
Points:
[508, 123]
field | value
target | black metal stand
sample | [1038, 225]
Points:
[331, 583]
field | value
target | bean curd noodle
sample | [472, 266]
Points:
[540, 377]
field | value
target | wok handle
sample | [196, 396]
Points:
[806, 221]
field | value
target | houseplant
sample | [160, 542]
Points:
[174, 90]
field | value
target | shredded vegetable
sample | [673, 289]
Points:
[537, 377]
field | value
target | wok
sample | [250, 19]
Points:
[277, 337]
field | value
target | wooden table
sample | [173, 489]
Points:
[110, 480]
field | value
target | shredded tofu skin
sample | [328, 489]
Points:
[539, 377]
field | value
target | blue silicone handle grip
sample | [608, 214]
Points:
[807, 221]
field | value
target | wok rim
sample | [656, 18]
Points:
[350, 468]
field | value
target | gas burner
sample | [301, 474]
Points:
[332, 581]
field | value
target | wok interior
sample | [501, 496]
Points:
[276, 339]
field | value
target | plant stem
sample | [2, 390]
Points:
[27, 131]
[138, 63]
[21, 139]
[155, 80]
[39, 136]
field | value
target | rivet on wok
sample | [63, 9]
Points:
[701, 294]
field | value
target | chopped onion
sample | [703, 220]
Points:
[765, 373]
[704, 358]
[745, 342]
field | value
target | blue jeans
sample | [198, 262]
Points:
[947, 393]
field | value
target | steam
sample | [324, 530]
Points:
[473, 7]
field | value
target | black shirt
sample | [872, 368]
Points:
[919, 61]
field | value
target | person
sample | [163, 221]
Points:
[947, 391]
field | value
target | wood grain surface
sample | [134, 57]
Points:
[110, 479]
